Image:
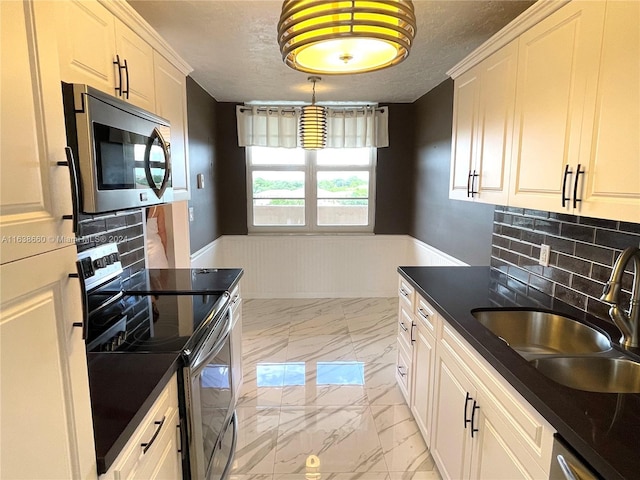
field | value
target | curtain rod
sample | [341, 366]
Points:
[245, 108]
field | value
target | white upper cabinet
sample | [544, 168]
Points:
[137, 74]
[557, 74]
[98, 49]
[574, 146]
[482, 128]
[171, 103]
[610, 150]
[35, 191]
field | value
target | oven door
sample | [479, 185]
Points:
[210, 398]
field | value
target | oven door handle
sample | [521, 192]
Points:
[234, 441]
[202, 360]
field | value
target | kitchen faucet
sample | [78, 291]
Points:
[627, 322]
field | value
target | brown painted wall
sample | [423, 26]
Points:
[461, 229]
[394, 173]
[202, 118]
[232, 171]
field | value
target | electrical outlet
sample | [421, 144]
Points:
[545, 252]
[191, 214]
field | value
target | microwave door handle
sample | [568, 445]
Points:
[158, 190]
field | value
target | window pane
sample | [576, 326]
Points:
[343, 156]
[278, 198]
[278, 184]
[343, 185]
[277, 156]
[343, 212]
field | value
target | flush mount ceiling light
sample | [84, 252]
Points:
[313, 123]
[341, 37]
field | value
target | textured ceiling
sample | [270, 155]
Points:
[233, 49]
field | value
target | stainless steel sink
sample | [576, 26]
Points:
[593, 374]
[532, 332]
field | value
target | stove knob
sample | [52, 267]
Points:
[114, 257]
[107, 260]
[98, 263]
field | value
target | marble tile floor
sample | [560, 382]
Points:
[320, 400]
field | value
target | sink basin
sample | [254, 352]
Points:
[532, 332]
[593, 374]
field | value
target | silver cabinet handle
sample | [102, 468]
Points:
[402, 374]
[423, 314]
[403, 326]
[413, 325]
[404, 292]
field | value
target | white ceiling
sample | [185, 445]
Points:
[232, 46]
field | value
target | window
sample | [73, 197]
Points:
[296, 190]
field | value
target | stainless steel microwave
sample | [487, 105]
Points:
[121, 152]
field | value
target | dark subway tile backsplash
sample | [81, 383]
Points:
[583, 251]
[126, 228]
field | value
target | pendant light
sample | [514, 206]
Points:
[345, 36]
[313, 123]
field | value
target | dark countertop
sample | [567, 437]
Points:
[604, 428]
[123, 387]
[183, 281]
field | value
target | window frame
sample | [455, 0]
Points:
[311, 169]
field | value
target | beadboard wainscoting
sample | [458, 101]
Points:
[319, 266]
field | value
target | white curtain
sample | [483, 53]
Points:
[267, 126]
[347, 127]
[358, 127]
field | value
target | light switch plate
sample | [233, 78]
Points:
[191, 214]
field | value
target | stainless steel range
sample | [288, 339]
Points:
[181, 310]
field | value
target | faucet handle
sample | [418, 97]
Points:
[610, 292]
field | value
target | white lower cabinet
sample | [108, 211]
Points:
[475, 423]
[153, 452]
[482, 428]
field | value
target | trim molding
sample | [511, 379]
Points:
[130, 17]
[523, 22]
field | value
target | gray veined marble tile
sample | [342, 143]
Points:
[265, 324]
[257, 476]
[381, 385]
[382, 325]
[332, 476]
[320, 348]
[256, 392]
[343, 440]
[402, 443]
[256, 443]
[374, 349]
[424, 475]
[264, 348]
[313, 307]
[358, 307]
[330, 323]
[337, 383]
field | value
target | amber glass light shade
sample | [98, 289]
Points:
[313, 127]
[345, 37]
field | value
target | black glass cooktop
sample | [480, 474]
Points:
[183, 281]
[162, 323]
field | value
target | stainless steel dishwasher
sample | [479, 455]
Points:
[565, 464]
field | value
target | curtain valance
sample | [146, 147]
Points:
[347, 127]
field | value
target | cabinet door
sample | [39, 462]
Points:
[422, 389]
[86, 36]
[45, 409]
[171, 103]
[497, 452]
[611, 182]
[138, 77]
[463, 153]
[34, 191]
[451, 441]
[556, 75]
[495, 125]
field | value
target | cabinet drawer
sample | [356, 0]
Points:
[405, 324]
[161, 418]
[403, 371]
[406, 293]
[425, 314]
